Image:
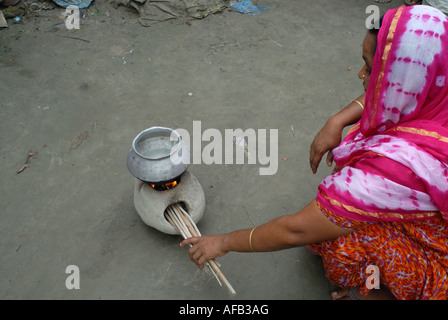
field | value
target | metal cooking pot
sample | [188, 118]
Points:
[158, 154]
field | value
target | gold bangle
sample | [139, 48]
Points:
[362, 106]
[250, 239]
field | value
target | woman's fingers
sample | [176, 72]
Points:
[192, 240]
[196, 254]
[315, 157]
[197, 258]
[330, 158]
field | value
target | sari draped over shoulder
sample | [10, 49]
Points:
[390, 185]
[393, 164]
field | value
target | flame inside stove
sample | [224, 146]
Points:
[165, 186]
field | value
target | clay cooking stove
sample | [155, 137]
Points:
[166, 196]
[161, 182]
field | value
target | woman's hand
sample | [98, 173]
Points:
[205, 248]
[328, 138]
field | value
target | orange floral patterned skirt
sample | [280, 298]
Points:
[412, 257]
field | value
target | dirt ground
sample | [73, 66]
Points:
[79, 97]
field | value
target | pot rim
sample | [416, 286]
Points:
[144, 132]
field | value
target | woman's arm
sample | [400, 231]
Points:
[329, 137]
[307, 226]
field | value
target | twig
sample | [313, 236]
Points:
[169, 267]
[198, 234]
[77, 142]
[182, 221]
[212, 262]
[182, 228]
[277, 43]
[249, 216]
[31, 156]
[69, 37]
[185, 214]
[174, 220]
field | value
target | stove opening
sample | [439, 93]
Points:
[178, 209]
[162, 186]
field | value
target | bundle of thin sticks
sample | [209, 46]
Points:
[181, 220]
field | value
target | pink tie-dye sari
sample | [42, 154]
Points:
[393, 164]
